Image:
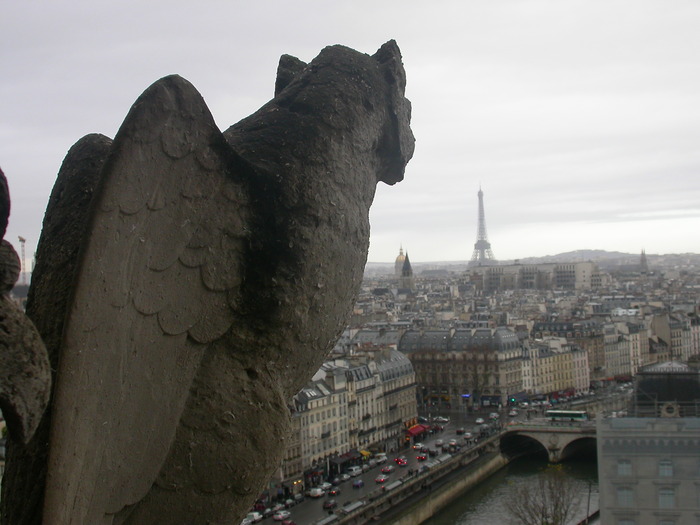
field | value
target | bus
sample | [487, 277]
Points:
[567, 415]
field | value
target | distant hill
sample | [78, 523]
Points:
[605, 260]
[581, 255]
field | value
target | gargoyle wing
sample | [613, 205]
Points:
[158, 271]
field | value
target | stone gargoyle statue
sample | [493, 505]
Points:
[25, 376]
[189, 282]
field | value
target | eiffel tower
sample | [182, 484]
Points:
[482, 256]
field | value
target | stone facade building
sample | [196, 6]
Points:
[548, 276]
[648, 464]
[398, 384]
[478, 367]
[556, 366]
[353, 404]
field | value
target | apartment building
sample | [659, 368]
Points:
[648, 464]
[556, 276]
[457, 367]
[353, 404]
[557, 366]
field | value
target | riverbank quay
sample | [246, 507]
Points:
[445, 490]
[415, 497]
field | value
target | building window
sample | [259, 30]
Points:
[665, 468]
[625, 497]
[624, 467]
[667, 498]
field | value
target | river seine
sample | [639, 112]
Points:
[486, 504]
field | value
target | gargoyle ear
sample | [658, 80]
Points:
[389, 58]
[288, 68]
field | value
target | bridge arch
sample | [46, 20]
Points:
[514, 445]
[558, 442]
[581, 446]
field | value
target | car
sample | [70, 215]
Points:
[289, 503]
[325, 485]
[439, 443]
[421, 457]
[479, 421]
[254, 517]
[381, 478]
[467, 435]
[315, 492]
[453, 442]
[288, 522]
[355, 471]
[358, 484]
[281, 515]
[417, 446]
[380, 458]
[335, 491]
[401, 461]
[388, 469]
[424, 449]
[344, 476]
[330, 504]
[246, 521]
[460, 431]
[277, 506]
[493, 415]
[441, 419]
[513, 413]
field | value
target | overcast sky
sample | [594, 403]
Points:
[579, 119]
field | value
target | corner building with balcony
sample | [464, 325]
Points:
[353, 405]
[465, 368]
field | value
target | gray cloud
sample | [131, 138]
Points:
[579, 119]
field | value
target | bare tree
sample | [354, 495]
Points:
[548, 501]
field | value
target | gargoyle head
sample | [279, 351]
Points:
[368, 84]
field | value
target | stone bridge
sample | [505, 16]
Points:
[559, 440]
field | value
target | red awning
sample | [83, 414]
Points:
[416, 429]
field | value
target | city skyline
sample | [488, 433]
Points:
[580, 121]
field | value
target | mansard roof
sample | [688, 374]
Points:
[379, 337]
[667, 367]
[311, 392]
[498, 339]
[358, 373]
[393, 364]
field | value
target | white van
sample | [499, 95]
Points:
[354, 471]
[380, 457]
[315, 492]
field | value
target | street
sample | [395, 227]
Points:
[311, 510]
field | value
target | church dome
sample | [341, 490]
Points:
[398, 265]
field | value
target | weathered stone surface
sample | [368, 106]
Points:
[24, 366]
[4, 205]
[25, 378]
[64, 228]
[215, 273]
